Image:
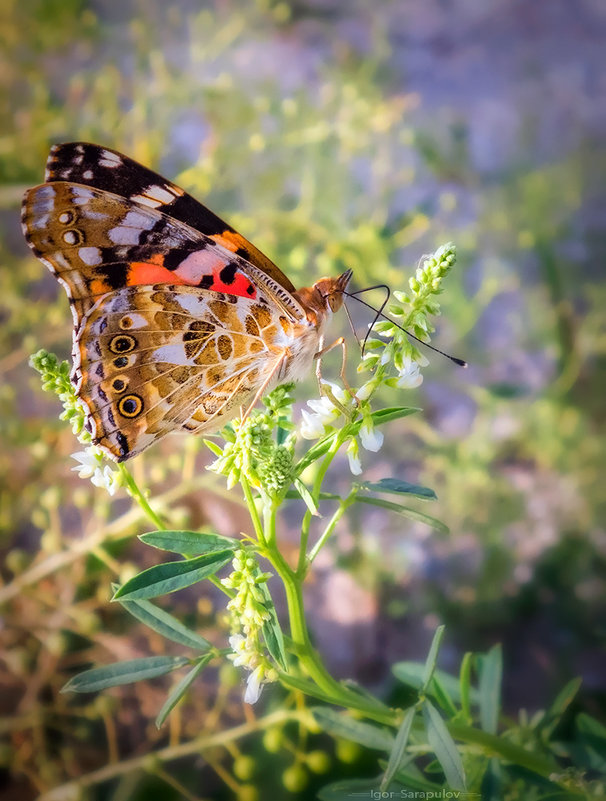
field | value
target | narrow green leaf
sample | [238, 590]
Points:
[561, 703]
[491, 671]
[305, 686]
[392, 413]
[432, 656]
[444, 747]
[172, 576]
[411, 673]
[306, 496]
[396, 486]
[188, 543]
[315, 452]
[465, 687]
[492, 745]
[406, 512]
[347, 789]
[397, 753]
[588, 725]
[272, 631]
[180, 689]
[438, 691]
[123, 673]
[213, 447]
[165, 624]
[341, 725]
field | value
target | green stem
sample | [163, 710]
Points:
[343, 507]
[315, 494]
[308, 657]
[252, 509]
[136, 493]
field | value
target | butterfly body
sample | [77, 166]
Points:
[179, 322]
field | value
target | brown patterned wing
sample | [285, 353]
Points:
[108, 170]
[96, 242]
[151, 360]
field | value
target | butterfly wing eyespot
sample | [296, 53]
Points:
[178, 320]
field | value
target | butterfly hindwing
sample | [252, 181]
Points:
[149, 360]
[102, 168]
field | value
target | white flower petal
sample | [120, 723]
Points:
[253, 687]
[353, 458]
[312, 426]
[370, 438]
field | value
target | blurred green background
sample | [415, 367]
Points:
[333, 134]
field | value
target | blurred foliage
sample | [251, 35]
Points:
[313, 154]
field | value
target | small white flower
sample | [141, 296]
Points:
[324, 412]
[312, 426]
[370, 438]
[254, 685]
[354, 459]
[91, 466]
[366, 390]
[88, 463]
[409, 377]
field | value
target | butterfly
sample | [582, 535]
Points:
[179, 321]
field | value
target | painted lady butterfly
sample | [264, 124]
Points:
[178, 320]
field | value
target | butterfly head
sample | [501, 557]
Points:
[326, 295]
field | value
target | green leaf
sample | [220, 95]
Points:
[165, 624]
[272, 631]
[181, 688]
[346, 789]
[444, 747]
[315, 452]
[411, 673]
[592, 727]
[561, 703]
[394, 485]
[432, 657]
[399, 748]
[491, 671]
[341, 725]
[172, 576]
[306, 496]
[123, 673]
[465, 687]
[391, 413]
[406, 512]
[188, 543]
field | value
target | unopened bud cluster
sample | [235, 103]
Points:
[248, 614]
[92, 462]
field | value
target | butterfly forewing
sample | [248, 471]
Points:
[93, 165]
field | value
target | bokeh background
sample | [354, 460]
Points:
[333, 134]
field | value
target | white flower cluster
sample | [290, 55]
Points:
[326, 411]
[91, 464]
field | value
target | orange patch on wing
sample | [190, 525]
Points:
[141, 272]
[231, 240]
[99, 287]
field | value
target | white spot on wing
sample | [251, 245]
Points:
[108, 159]
[174, 354]
[155, 196]
[70, 237]
[87, 175]
[90, 256]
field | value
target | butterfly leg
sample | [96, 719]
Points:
[338, 343]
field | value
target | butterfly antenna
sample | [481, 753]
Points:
[379, 313]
